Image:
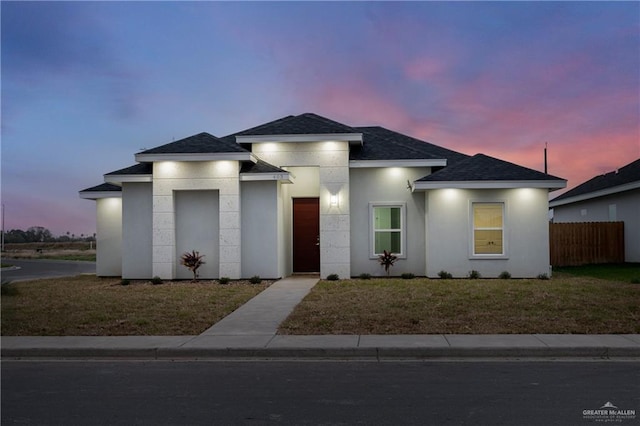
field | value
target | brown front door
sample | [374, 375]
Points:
[306, 235]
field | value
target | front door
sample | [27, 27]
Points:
[306, 235]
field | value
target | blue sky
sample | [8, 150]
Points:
[86, 85]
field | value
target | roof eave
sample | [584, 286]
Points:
[494, 184]
[352, 138]
[209, 156]
[95, 195]
[356, 164]
[595, 194]
[119, 179]
[254, 177]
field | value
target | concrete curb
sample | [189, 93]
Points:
[374, 354]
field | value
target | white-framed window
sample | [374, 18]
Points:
[487, 222]
[388, 228]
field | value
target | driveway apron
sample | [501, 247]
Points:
[263, 314]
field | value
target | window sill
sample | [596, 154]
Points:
[488, 257]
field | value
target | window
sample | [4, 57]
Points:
[388, 228]
[488, 228]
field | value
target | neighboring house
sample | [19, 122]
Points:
[611, 197]
[306, 194]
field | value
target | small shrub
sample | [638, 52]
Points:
[125, 282]
[224, 280]
[504, 275]
[255, 279]
[445, 275]
[387, 259]
[365, 276]
[407, 276]
[333, 277]
[543, 276]
[474, 275]
[156, 280]
[192, 261]
[8, 289]
[635, 280]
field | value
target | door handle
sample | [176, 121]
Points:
[318, 240]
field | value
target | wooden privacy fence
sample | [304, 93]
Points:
[585, 243]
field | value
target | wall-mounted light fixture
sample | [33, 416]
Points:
[333, 200]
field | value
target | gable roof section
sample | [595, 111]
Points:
[305, 127]
[483, 171]
[303, 124]
[104, 190]
[141, 172]
[263, 171]
[623, 179]
[200, 147]
[383, 145]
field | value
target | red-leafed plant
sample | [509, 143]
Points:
[192, 261]
[387, 259]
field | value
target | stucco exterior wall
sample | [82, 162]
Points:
[109, 237]
[449, 232]
[332, 159]
[171, 176]
[197, 228]
[260, 228]
[375, 185]
[627, 209]
[137, 205]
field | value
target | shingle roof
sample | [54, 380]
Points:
[384, 144]
[103, 187]
[197, 144]
[260, 167]
[303, 124]
[481, 167]
[138, 169]
[627, 174]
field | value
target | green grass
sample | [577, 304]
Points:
[83, 257]
[5, 265]
[90, 306]
[625, 272]
[566, 304]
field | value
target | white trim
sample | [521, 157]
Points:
[505, 244]
[210, 156]
[251, 177]
[94, 195]
[403, 228]
[490, 184]
[355, 164]
[595, 194]
[127, 178]
[352, 138]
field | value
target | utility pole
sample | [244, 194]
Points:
[545, 158]
[2, 247]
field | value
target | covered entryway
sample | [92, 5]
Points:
[306, 235]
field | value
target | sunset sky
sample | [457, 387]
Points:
[86, 85]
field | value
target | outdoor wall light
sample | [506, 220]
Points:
[333, 200]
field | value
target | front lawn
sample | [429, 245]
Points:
[90, 306]
[564, 304]
[626, 272]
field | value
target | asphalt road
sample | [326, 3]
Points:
[315, 392]
[36, 269]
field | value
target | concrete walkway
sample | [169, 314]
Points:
[250, 332]
[257, 321]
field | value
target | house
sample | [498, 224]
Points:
[305, 194]
[611, 197]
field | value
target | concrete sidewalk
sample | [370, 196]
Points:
[371, 347]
